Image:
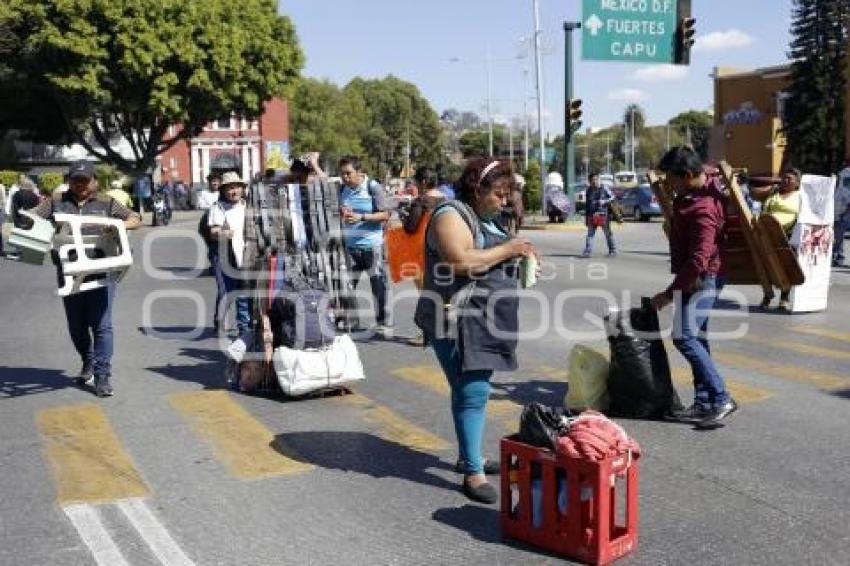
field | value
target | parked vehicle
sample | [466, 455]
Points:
[580, 192]
[640, 203]
[161, 208]
[626, 179]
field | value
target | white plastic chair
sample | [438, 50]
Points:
[71, 245]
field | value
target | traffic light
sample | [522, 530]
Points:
[684, 41]
[574, 116]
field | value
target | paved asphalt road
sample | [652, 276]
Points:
[176, 470]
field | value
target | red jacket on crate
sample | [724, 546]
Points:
[594, 437]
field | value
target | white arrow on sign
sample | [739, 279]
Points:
[593, 23]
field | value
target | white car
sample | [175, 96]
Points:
[626, 179]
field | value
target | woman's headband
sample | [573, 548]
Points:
[490, 167]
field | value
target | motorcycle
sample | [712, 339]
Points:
[161, 209]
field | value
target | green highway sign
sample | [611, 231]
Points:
[639, 31]
[549, 156]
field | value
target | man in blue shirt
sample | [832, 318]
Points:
[364, 210]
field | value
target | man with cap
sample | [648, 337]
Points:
[89, 314]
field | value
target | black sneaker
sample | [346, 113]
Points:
[85, 376]
[693, 414]
[491, 468]
[484, 493]
[716, 416]
[102, 388]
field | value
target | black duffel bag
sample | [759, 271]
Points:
[639, 379]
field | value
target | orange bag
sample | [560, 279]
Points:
[406, 252]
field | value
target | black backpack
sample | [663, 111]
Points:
[302, 315]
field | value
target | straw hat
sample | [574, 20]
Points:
[231, 178]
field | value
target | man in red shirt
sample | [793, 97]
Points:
[696, 233]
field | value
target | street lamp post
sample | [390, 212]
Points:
[539, 66]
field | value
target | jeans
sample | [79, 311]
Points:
[841, 226]
[89, 316]
[690, 328]
[609, 237]
[243, 303]
[372, 262]
[470, 391]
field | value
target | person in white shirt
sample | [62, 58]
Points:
[207, 198]
[227, 230]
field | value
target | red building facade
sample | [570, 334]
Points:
[257, 144]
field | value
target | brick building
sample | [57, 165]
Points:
[256, 144]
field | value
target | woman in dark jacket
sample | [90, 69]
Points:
[469, 260]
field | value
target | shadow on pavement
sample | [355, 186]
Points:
[17, 382]
[209, 371]
[549, 393]
[175, 332]
[727, 305]
[843, 393]
[482, 523]
[363, 453]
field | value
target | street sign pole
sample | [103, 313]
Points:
[569, 146]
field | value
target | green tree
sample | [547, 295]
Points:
[395, 111]
[698, 124]
[473, 143]
[323, 118]
[107, 69]
[532, 193]
[814, 111]
[639, 117]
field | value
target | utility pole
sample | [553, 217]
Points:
[569, 146]
[608, 154]
[668, 135]
[538, 56]
[407, 150]
[489, 102]
[525, 112]
[633, 140]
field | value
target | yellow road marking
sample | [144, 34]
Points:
[239, 441]
[433, 379]
[395, 428]
[427, 377]
[741, 392]
[87, 459]
[777, 369]
[822, 332]
[806, 349]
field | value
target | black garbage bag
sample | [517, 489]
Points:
[639, 381]
[540, 425]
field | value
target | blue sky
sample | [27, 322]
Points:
[416, 40]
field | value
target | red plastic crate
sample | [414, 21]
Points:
[589, 531]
